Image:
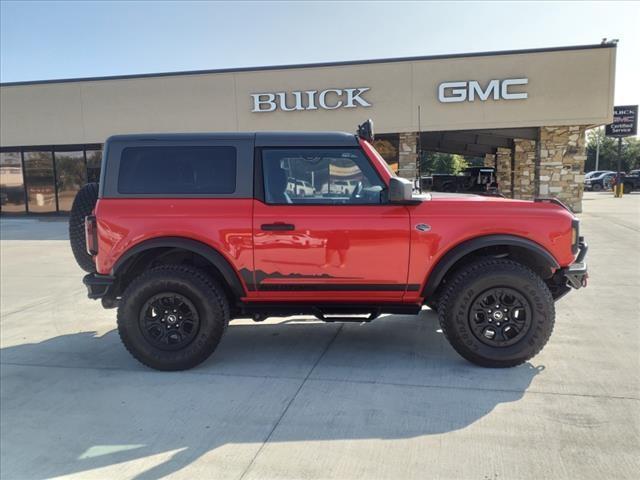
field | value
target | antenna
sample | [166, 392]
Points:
[419, 152]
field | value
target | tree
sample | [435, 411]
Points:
[434, 162]
[609, 152]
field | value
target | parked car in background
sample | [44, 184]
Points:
[472, 179]
[343, 186]
[300, 188]
[631, 181]
[596, 173]
[597, 183]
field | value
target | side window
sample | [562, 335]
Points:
[177, 170]
[320, 176]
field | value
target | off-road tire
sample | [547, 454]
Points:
[200, 289]
[468, 284]
[433, 304]
[83, 205]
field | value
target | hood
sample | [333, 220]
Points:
[508, 206]
[466, 197]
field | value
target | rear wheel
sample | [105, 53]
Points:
[496, 313]
[172, 317]
[83, 205]
[627, 188]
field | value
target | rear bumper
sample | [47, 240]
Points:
[97, 285]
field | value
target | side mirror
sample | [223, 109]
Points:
[400, 190]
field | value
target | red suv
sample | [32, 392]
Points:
[189, 231]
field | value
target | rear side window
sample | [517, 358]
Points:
[177, 170]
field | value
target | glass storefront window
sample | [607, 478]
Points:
[70, 177]
[41, 193]
[94, 160]
[11, 183]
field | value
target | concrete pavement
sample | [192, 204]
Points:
[297, 398]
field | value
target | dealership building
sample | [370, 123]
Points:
[525, 112]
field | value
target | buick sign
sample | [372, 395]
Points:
[329, 99]
[453, 92]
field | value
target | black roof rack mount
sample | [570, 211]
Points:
[365, 130]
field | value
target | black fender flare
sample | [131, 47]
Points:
[450, 258]
[209, 253]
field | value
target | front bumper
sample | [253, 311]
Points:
[577, 273]
[97, 285]
[574, 276]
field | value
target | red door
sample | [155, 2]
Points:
[335, 240]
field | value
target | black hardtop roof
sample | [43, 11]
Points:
[262, 139]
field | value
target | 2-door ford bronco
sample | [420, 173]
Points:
[186, 232]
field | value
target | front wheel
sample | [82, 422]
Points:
[497, 313]
[627, 188]
[596, 187]
[172, 317]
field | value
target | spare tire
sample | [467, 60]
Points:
[83, 205]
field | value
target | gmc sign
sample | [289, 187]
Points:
[452, 92]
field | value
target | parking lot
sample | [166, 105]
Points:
[298, 398]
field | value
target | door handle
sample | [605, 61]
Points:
[277, 227]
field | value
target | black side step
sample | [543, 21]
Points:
[327, 312]
[344, 317]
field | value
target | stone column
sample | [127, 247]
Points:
[524, 172]
[407, 155]
[489, 160]
[562, 157]
[503, 174]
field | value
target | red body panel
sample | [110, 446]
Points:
[361, 247]
[222, 224]
[455, 219]
[350, 253]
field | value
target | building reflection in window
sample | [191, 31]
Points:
[94, 160]
[11, 183]
[71, 175]
[41, 192]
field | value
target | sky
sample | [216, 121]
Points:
[50, 40]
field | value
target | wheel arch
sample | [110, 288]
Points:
[522, 249]
[147, 251]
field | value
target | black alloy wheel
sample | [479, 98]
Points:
[169, 321]
[500, 317]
